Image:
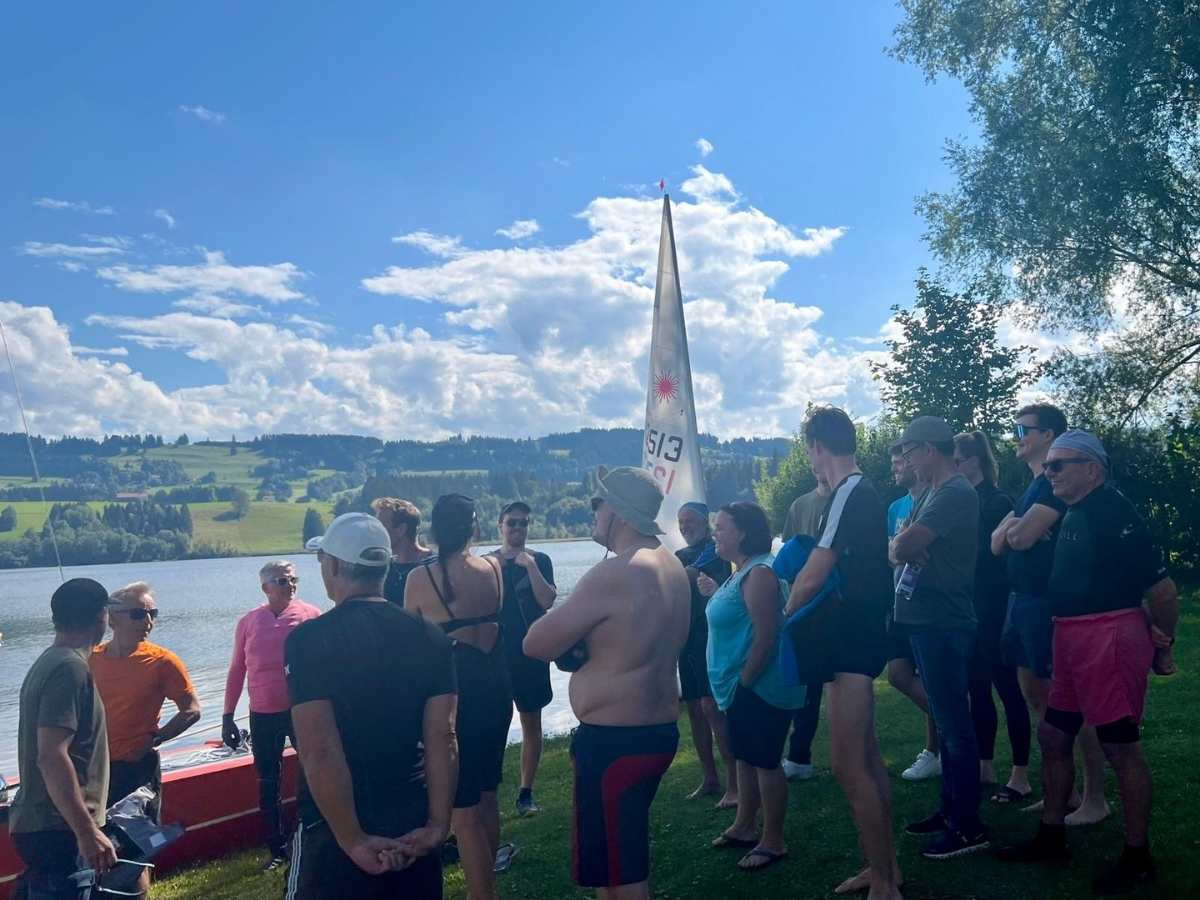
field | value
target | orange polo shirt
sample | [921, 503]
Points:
[133, 689]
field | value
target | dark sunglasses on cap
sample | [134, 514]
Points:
[596, 501]
[136, 615]
[1057, 465]
[1019, 430]
[517, 523]
[284, 580]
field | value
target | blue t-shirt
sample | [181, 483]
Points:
[730, 634]
[1029, 570]
[899, 511]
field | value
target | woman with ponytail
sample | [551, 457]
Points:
[462, 594]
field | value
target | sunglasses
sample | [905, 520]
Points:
[1055, 466]
[904, 454]
[1019, 430]
[284, 581]
[596, 501]
[138, 615]
[517, 523]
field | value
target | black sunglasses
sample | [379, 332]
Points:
[1019, 430]
[138, 615]
[1057, 465]
[284, 580]
[596, 501]
[517, 523]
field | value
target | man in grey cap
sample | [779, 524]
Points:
[632, 613]
[935, 600]
[374, 696]
[1115, 611]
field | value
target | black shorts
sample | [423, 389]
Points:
[1028, 639]
[125, 777]
[485, 710]
[321, 870]
[617, 772]
[530, 679]
[757, 730]
[53, 867]
[693, 663]
[899, 643]
[860, 642]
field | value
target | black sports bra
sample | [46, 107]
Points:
[454, 623]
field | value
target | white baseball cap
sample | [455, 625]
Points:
[355, 538]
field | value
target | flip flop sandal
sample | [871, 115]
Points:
[1006, 795]
[727, 840]
[505, 854]
[770, 856]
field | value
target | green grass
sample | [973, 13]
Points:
[269, 528]
[198, 461]
[30, 514]
[819, 831]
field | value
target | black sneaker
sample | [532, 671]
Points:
[277, 861]
[935, 824]
[950, 844]
[1129, 873]
[526, 805]
[1035, 850]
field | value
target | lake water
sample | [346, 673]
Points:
[200, 602]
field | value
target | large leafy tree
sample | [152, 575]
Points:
[948, 362]
[1082, 195]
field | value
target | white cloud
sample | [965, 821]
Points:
[80, 350]
[433, 244]
[215, 305]
[69, 251]
[74, 206]
[704, 146]
[559, 161]
[215, 275]
[204, 114]
[711, 186]
[165, 216]
[520, 229]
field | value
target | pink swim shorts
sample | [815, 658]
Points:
[1101, 665]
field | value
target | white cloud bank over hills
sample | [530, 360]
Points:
[535, 339]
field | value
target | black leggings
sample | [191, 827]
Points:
[267, 733]
[986, 671]
[804, 726]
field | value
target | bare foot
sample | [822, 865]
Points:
[707, 789]
[728, 801]
[1089, 814]
[1164, 662]
[862, 881]
[1072, 804]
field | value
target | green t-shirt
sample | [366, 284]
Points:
[59, 692]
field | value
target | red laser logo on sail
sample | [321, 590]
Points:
[666, 387]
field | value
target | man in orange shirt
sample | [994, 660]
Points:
[134, 678]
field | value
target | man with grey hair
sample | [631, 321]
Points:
[374, 698]
[1115, 612]
[631, 613]
[258, 659]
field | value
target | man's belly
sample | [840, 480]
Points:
[602, 695]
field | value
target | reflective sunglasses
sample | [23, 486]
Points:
[1019, 430]
[137, 615]
[1055, 466]
[284, 580]
[517, 523]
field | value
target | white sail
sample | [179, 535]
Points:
[671, 450]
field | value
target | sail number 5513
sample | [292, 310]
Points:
[659, 441]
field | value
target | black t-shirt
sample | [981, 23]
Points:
[377, 665]
[1029, 570]
[854, 526]
[715, 568]
[991, 573]
[520, 608]
[397, 576]
[1104, 560]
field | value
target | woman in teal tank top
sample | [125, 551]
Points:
[745, 617]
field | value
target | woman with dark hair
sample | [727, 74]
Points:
[974, 460]
[745, 615]
[462, 594]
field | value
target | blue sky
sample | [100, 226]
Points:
[213, 193]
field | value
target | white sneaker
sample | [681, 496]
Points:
[926, 765]
[797, 771]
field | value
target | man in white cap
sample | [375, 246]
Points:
[1115, 611]
[373, 703]
[632, 614]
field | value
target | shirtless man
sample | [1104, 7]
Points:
[632, 612]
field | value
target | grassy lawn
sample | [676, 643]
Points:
[269, 527]
[198, 461]
[820, 835]
[30, 514]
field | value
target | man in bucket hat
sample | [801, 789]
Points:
[632, 613]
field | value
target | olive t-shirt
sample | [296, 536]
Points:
[944, 594]
[804, 515]
[59, 692]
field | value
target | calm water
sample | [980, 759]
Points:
[200, 602]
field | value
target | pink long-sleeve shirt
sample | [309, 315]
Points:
[258, 653]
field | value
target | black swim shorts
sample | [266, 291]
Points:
[617, 772]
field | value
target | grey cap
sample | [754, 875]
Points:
[926, 429]
[1082, 442]
[633, 494]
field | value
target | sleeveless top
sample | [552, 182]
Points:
[454, 623]
[730, 634]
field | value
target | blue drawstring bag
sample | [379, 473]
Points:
[805, 649]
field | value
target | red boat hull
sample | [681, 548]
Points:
[217, 803]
